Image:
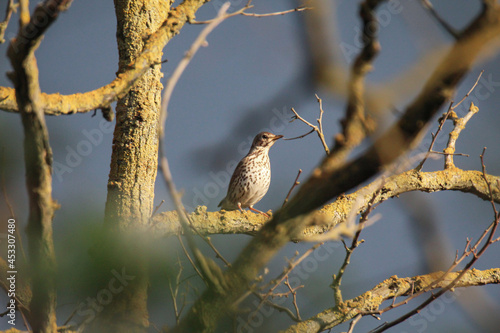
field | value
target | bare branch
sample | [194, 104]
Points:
[353, 323]
[243, 12]
[442, 120]
[284, 12]
[332, 179]
[476, 254]
[191, 261]
[293, 291]
[273, 284]
[175, 291]
[326, 218]
[278, 307]
[318, 129]
[337, 279]
[470, 91]
[389, 289]
[428, 5]
[459, 124]
[11, 7]
[295, 184]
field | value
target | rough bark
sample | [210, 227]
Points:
[133, 165]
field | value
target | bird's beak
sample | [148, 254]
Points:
[277, 137]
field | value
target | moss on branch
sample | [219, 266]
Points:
[324, 219]
[386, 290]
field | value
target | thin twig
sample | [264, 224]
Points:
[156, 209]
[318, 129]
[297, 116]
[208, 240]
[276, 306]
[186, 253]
[174, 293]
[295, 184]
[483, 169]
[248, 6]
[320, 125]
[284, 275]
[294, 295]
[427, 4]
[353, 323]
[442, 120]
[298, 9]
[300, 136]
[449, 114]
[446, 154]
[337, 279]
[470, 91]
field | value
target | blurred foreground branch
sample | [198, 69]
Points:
[38, 160]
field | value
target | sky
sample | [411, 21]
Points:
[245, 81]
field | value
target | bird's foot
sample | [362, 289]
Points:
[258, 211]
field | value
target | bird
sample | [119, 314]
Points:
[252, 176]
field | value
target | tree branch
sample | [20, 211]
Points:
[103, 97]
[389, 289]
[235, 222]
[38, 160]
[459, 125]
[11, 7]
[57, 104]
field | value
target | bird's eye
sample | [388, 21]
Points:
[265, 136]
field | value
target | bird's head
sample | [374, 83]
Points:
[265, 140]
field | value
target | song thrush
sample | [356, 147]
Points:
[252, 176]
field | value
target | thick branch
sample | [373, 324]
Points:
[235, 222]
[57, 104]
[389, 289]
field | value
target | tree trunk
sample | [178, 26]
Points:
[133, 169]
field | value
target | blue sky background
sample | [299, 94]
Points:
[253, 71]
